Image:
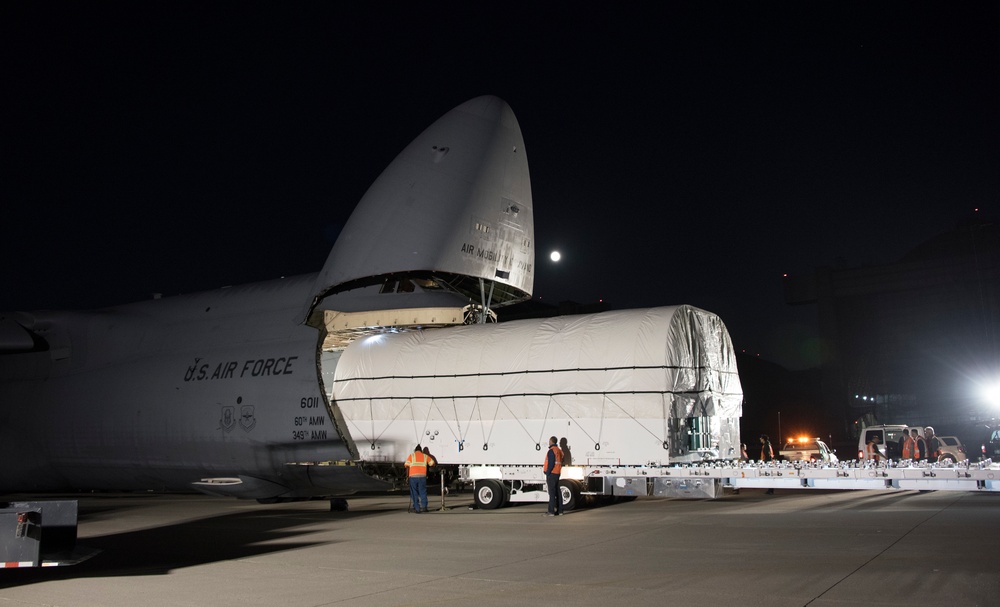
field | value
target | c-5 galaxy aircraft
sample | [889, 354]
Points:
[226, 391]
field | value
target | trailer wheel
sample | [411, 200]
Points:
[489, 495]
[569, 493]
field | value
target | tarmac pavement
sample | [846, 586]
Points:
[796, 548]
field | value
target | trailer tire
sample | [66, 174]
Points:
[489, 495]
[569, 493]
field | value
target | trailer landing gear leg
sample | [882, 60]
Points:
[338, 504]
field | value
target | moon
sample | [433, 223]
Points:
[555, 256]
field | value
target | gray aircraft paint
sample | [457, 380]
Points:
[228, 383]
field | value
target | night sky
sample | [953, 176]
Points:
[679, 152]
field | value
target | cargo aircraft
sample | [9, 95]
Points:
[227, 391]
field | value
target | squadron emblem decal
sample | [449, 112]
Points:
[228, 419]
[247, 420]
[230, 416]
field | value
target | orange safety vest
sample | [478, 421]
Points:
[872, 451]
[911, 450]
[557, 467]
[417, 463]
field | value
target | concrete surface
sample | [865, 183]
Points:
[814, 548]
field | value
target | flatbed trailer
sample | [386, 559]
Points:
[495, 486]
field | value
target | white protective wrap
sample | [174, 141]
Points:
[620, 386]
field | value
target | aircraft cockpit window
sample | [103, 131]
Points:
[392, 285]
[426, 284]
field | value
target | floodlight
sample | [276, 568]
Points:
[991, 393]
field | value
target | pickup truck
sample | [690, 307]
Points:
[806, 449]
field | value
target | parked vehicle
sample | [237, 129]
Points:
[952, 449]
[991, 445]
[805, 449]
[888, 436]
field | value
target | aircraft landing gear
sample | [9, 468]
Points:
[338, 504]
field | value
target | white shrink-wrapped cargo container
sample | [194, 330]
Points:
[635, 387]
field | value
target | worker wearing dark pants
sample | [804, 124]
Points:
[766, 455]
[416, 465]
[553, 468]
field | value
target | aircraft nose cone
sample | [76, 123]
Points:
[456, 202]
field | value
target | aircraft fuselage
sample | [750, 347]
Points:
[219, 383]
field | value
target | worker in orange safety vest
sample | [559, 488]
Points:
[872, 451]
[915, 448]
[553, 468]
[416, 465]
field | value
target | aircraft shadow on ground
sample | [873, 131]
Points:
[159, 550]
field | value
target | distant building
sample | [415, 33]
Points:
[909, 341]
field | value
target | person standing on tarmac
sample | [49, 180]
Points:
[552, 468]
[766, 455]
[872, 451]
[416, 465]
[566, 453]
[933, 444]
[908, 446]
[901, 448]
[920, 450]
[766, 451]
[433, 462]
